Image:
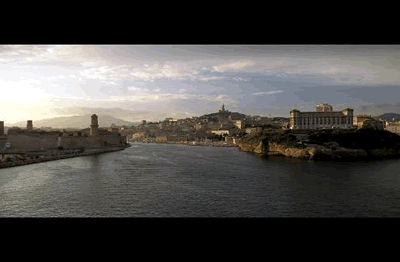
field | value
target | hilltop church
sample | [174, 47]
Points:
[223, 109]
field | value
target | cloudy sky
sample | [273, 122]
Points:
[154, 82]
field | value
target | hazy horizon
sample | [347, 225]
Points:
[150, 83]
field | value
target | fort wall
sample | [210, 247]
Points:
[91, 142]
[32, 142]
[53, 141]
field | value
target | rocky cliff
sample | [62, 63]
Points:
[375, 144]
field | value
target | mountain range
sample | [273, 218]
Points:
[82, 121]
[388, 116]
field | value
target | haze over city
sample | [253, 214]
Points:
[154, 82]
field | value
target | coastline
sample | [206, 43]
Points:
[60, 155]
[319, 152]
[210, 144]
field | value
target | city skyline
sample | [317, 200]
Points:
[154, 82]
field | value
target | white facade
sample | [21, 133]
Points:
[321, 119]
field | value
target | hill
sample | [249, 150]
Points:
[76, 122]
[226, 114]
[388, 116]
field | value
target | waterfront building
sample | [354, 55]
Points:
[322, 118]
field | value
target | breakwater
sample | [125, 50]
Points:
[56, 155]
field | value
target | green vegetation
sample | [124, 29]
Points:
[354, 139]
[361, 139]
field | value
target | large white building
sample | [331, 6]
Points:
[323, 118]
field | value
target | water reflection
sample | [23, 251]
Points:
[175, 180]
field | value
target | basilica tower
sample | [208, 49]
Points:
[222, 109]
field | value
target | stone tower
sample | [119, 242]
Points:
[29, 125]
[1, 128]
[94, 127]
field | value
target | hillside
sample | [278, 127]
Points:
[76, 122]
[388, 116]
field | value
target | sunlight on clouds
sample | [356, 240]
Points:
[119, 76]
[233, 66]
[21, 91]
[156, 71]
[171, 97]
[267, 93]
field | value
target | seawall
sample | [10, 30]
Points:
[59, 155]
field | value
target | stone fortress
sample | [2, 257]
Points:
[89, 138]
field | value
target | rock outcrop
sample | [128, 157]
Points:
[284, 144]
[261, 149]
[252, 147]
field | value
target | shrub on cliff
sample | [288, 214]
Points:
[362, 139]
[282, 137]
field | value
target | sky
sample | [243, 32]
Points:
[137, 82]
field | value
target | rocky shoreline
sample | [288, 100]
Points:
[319, 152]
[57, 155]
[313, 152]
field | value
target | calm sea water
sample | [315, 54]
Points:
[159, 180]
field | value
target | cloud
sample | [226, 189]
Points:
[172, 71]
[240, 79]
[209, 78]
[233, 66]
[116, 112]
[24, 54]
[128, 72]
[267, 93]
[381, 107]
